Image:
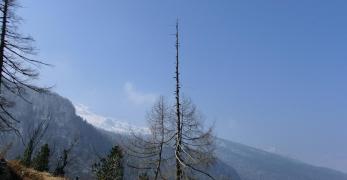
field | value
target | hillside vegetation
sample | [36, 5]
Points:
[13, 170]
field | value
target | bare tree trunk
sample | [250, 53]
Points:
[17, 64]
[162, 139]
[178, 113]
[191, 146]
[3, 35]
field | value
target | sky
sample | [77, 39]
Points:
[269, 74]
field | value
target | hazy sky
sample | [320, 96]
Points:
[270, 74]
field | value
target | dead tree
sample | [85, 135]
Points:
[64, 159]
[161, 133]
[193, 146]
[178, 112]
[197, 144]
[17, 65]
[177, 137]
[34, 136]
[150, 149]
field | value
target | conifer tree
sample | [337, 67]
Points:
[110, 167]
[41, 161]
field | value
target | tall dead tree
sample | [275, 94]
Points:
[17, 65]
[178, 112]
[193, 146]
[177, 138]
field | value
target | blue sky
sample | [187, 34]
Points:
[270, 74]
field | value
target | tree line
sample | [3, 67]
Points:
[40, 159]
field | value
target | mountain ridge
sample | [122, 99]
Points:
[236, 160]
[107, 123]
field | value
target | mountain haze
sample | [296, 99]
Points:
[235, 161]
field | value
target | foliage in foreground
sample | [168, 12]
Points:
[111, 167]
[41, 161]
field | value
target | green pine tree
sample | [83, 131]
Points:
[41, 160]
[29, 149]
[111, 167]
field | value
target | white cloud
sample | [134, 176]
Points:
[137, 97]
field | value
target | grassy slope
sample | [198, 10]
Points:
[24, 173]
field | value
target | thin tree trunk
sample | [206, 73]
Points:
[162, 138]
[178, 112]
[3, 35]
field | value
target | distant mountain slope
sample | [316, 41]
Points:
[236, 161]
[255, 164]
[65, 126]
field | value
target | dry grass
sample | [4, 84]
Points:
[30, 174]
